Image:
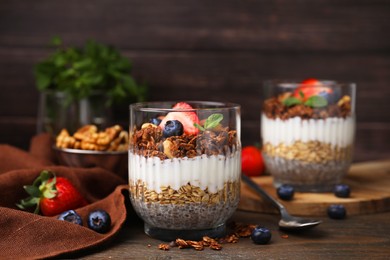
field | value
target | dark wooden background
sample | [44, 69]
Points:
[208, 50]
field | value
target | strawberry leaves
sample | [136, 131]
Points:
[28, 203]
[40, 187]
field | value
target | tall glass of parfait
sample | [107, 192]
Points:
[184, 167]
[307, 131]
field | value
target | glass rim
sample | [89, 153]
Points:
[155, 106]
[87, 152]
[292, 83]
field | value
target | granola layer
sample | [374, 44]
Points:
[310, 152]
[186, 194]
[274, 108]
[149, 142]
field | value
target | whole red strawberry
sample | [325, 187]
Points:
[252, 163]
[52, 195]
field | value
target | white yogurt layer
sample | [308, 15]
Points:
[334, 130]
[203, 171]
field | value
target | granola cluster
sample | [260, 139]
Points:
[238, 231]
[89, 137]
[149, 142]
[274, 108]
[197, 245]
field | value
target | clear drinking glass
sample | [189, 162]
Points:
[57, 110]
[184, 184]
[307, 132]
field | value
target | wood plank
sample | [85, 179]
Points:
[370, 193]
[348, 25]
[234, 76]
[333, 239]
[17, 131]
[208, 50]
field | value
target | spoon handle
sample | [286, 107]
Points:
[262, 192]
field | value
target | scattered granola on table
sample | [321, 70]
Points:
[238, 230]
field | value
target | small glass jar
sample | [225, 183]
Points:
[307, 132]
[186, 183]
[57, 110]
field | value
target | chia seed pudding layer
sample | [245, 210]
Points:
[189, 216]
[306, 176]
[189, 207]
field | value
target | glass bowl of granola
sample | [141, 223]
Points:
[88, 147]
[307, 131]
[184, 167]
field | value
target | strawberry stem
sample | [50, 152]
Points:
[44, 186]
[48, 188]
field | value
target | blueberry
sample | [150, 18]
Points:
[173, 128]
[99, 221]
[342, 190]
[71, 216]
[331, 97]
[336, 211]
[261, 235]
[155, 121]
[285, 192]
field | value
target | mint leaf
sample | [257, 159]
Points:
[316, 102]
[212, 121]
[201, 128]
[291, 101]
[301, 94]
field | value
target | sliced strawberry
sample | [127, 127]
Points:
[310, 82]
[187, 118]
[182, 105]
[311, 87]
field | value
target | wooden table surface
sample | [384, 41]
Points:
[356, 237]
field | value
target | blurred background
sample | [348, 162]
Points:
[208, 50]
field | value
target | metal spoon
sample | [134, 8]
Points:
[287, 221]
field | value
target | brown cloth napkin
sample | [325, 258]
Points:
[24, 235]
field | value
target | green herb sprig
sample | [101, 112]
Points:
[313, 101]
[94, 67]
[211, 122]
